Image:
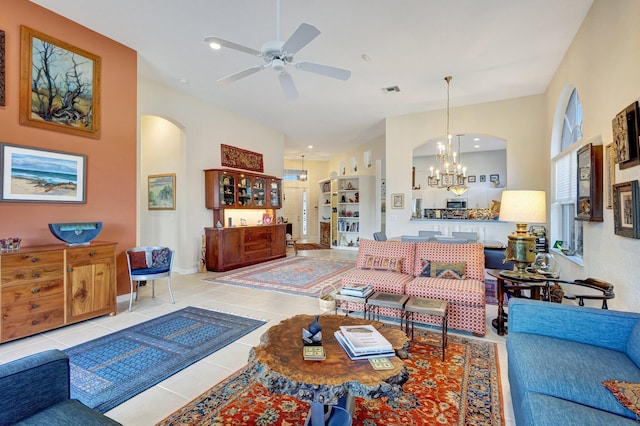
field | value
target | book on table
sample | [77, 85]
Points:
[358, 290]
[342, 341]
[364, 339]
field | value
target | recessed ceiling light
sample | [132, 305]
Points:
[476, 139]
[476, 146]
[183, 80]
[310, 146]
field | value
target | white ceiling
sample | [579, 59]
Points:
[494, 49]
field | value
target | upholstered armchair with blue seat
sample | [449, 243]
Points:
[148, 263]
[36, 391]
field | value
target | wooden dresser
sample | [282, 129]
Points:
[46, 287]
[230, 248]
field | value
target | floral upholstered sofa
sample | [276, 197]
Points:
[452, 272]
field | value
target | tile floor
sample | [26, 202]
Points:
[166, 397]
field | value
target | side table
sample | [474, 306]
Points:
[344, 298]
[418, 305]
[386, 300]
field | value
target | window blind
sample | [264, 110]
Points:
[566, 169]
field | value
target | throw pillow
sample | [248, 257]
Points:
[160, 258]
[393, 264]
[627, 393]
[449, 270]
[138, 259]
[426, 268]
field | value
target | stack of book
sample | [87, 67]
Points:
[363, 342]
[358, 290]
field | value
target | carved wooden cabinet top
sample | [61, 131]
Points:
[278, 364]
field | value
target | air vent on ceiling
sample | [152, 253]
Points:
[391, 89]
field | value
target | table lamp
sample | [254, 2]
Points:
[522, 207]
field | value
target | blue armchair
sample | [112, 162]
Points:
[148, 263]
[36, 391]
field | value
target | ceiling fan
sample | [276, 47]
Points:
[278, 54]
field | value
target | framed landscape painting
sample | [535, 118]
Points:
[40, 175]
[59, 85]
[162, 192]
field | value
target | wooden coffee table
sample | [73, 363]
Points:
[278, 365]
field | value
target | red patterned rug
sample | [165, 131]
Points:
[462, 390]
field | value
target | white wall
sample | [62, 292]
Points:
[603, 63]
[204, 127]
[479, 194]
[517, 121]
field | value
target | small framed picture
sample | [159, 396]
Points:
[397, 201]
[483, 178]
[494, 178]
[162, 192]
[471, 179]
[626, 213]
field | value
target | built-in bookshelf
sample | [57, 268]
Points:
[355, 210]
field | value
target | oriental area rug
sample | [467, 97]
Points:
[305, 276]
[107, 371]
[462, 390]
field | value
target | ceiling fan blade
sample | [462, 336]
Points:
[326, 70]
[232, 45]
[300, 38]
[240, 74]
[288, 87]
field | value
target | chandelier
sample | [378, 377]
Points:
[303, 173]
[448, 172]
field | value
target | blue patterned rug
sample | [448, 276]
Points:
[107, 371]
[306, 276]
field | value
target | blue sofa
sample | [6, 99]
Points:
[35, 390]
[560, 354]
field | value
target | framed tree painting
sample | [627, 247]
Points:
[626, 213]
[41, 175]
[162, 192]
[59, 85]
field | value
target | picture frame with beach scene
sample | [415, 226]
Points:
[41, 175]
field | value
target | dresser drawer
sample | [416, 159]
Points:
[256, 255]
[255, 235]
[44, 272]
[32, 306]
[20, 293]
[90, 253]
[258, 246]
[33, 324]
[23, 260]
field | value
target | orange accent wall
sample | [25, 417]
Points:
[111, 160]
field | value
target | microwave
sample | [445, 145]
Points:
[457, 203]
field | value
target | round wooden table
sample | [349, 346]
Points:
[277, 363]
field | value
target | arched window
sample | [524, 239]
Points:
[568, 126]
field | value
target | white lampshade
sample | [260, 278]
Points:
[523, 207]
